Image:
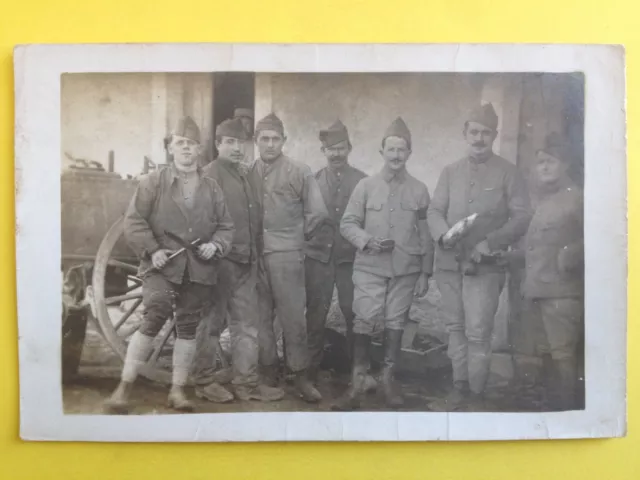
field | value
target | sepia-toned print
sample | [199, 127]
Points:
[354, 242]
[422, 243]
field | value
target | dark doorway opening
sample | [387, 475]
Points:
[231, 90]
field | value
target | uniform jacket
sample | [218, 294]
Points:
[393, 207]
[336, 187]
[293, 207]
[157, 206]
[241, 193]
[554, 245]
[496, 191]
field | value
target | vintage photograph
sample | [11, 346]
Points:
[362, 241]
[237, 241]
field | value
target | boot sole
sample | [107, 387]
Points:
[180, 408]
[114, 409]
[340, 408]
[310, 399]
[260, 399]
[204, 396]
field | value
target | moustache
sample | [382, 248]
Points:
[479, 144]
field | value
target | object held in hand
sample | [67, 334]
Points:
[458, 231]
[192, 245]
[387, 244]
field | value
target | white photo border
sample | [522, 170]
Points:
[37, 148]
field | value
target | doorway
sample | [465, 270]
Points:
[231, 90]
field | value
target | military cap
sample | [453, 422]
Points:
[484, 114]
[556, 146]
[398, 129]
[187, 127]
[232, 128]
[243, 112]
[333, 135]
[270, 122]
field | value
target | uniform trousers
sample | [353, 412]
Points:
[159, 296]
[321, 278]
[281, 294]
[381, 302]
[469, 306]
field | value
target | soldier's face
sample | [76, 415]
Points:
[395, 152]
[270, 143]
[549, 168]
[231, 149]
[479, 138]
[338, 154]
[184, 150]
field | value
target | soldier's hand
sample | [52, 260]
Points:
[479, 250]
[159, 258]
[422, 286]
[373, 245]
[207, 250]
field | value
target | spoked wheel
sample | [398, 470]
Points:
[118, 302]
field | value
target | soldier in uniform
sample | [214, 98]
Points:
[238, 271]
[554, 274]
[329, 257]
[469, 282]
[386, 220]
[293, 209]
[180, 200]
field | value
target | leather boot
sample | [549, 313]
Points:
[392, 345]
[351, 398]
[306, 389]
[270, 375]
[350, 339]
[260, 392]
[549, 382]
[567, 383]
[312, 373]
[214, 392]
[458, 397]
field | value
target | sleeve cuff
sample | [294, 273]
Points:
[361, 241]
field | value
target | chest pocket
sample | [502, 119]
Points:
[374, 205]
[409, 205]
[490, 196]
[284, 192]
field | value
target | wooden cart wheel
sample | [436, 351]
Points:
[120, 314]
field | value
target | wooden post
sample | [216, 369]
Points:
[112, 160]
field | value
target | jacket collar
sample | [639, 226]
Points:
[479, 161]
[564, 183]
[388, 174]
[175, 173]
[341, 170]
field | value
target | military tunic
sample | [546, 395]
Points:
[393, 206]
[158, 206]
[496, 191]
[329, 259]
[235, 295]
[293, 209]
[554, 268]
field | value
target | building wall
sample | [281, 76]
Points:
[130, 114]
[433, 106]
[102, 112]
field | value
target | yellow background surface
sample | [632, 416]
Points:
[542, 21]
